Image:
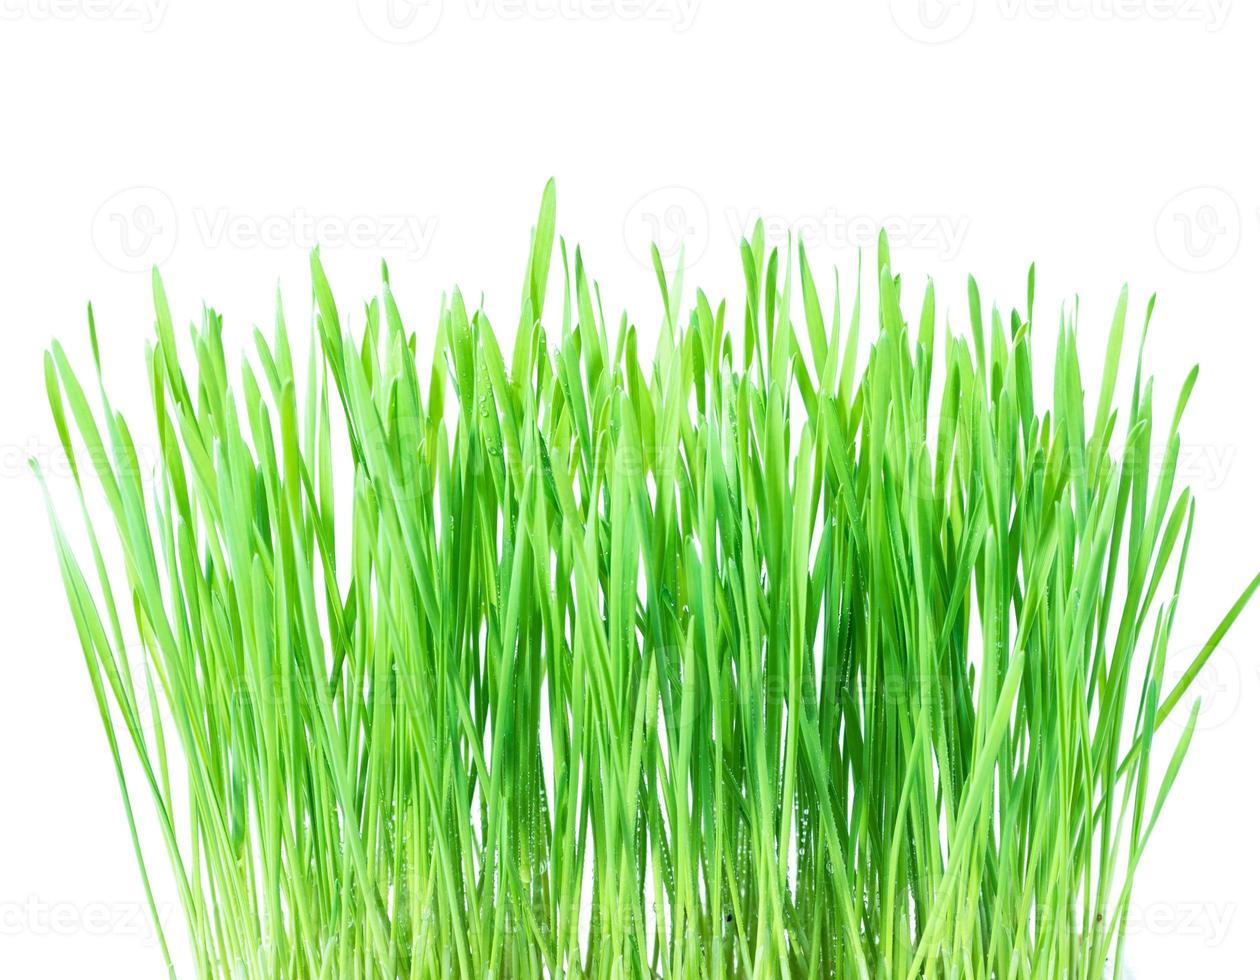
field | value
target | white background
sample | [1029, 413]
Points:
[1111, 141]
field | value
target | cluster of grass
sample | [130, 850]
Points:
[733, 660]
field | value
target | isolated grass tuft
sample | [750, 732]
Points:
[734, 659]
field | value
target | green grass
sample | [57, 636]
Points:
[734, 659]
